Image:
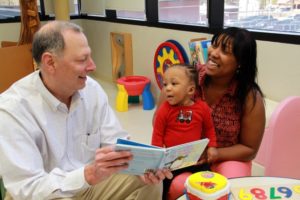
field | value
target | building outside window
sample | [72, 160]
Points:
[193, 12]
[9, 9]
[265, 15]
[274, 16]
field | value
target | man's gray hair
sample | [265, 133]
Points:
[50, 39]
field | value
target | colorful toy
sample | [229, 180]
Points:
[181, 49]
[199, 50]
[279, 191]
[167, 53]
[133, 86]
[207, 185]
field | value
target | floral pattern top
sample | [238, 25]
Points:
[226, 114]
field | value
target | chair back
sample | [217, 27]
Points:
[281, 144]
[16, 62]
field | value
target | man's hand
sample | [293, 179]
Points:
[107, 162]
[156, 177]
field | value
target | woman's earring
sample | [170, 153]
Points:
[238, 69]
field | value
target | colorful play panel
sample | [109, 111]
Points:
[131, 86]
[167, 53]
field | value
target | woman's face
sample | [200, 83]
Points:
[221, 61]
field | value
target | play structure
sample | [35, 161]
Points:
[133, 86]
[15, 56]
[121, 54]
[16, 62]
[167, 53]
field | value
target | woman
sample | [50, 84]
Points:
[228, 85]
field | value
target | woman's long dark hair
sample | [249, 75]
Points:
[244, 50]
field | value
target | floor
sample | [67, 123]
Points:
[138, 122]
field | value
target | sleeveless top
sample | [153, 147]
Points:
[226, 114]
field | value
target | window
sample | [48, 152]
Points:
[263, 15]
[129, 9]
[9, 9]
[75, 11]
[49, 7]
[135, 15]
[270, 20]
[193, 12]
[125, 9]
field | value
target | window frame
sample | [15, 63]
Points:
[215, 21]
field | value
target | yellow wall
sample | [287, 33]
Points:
[61, 9]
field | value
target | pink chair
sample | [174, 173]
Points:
[280, 148]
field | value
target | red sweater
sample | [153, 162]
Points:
[176, 125]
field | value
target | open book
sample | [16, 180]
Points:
[150, 158]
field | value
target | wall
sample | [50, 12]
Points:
[278, 64]
[279, 69]
[10, 32]
[145, 40]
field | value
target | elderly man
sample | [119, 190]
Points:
[54, 123]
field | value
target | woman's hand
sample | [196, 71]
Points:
[212, 154]
[156, 177]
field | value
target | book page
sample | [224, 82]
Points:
[184, 155]
[145, 157]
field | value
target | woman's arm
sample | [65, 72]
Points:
[252, 130]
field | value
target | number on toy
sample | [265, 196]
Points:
[297, 189]
[272, 194]
[245, 196]
[287, 191]
[258, 193]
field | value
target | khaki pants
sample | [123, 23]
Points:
[118, 187]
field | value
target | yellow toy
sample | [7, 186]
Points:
[207, 185]
[133, 86]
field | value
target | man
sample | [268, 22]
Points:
[53, 123]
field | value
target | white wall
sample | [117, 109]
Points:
[279, 69]
[10, 32]
[278, 64]
[145, 40]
